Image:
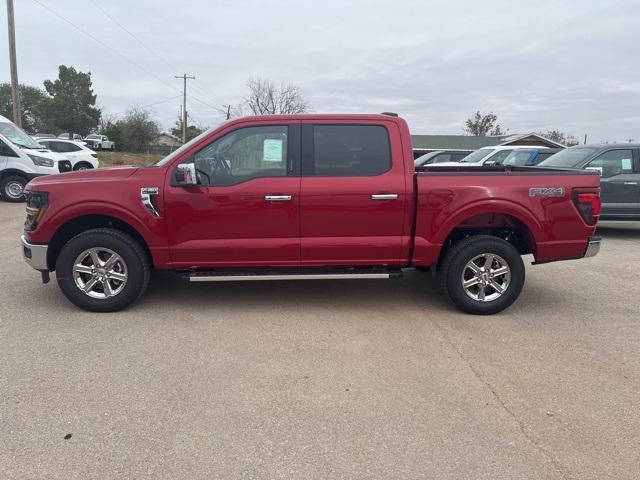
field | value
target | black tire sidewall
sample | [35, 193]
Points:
[460, 258]
[86, 165]
[5, 181]
[135, 268]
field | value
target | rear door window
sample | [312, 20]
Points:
[350, 151]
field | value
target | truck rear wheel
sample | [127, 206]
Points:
[12, 188]
[483, 275]
[102, 270]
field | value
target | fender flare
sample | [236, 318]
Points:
[85, 209]
[505, 207]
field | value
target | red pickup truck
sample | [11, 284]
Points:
[300, 197]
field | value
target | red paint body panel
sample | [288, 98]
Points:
[330, 221]
[342, 225]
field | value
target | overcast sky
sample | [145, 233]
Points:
[570, 65]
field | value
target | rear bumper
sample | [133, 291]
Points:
[34, 255]
[593, 247]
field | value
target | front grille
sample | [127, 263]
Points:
[64, 166]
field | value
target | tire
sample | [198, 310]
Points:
[12, 187]
[457, 268]
[82, 166]
[131, 270]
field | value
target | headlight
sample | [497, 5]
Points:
[41, 161]
[37, 203]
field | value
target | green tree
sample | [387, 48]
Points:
[482, 125]
[560, 137]
[72, 106]
[135, 131]
[33, 103]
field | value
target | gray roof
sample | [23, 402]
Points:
[470, 142]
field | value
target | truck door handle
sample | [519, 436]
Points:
[631, 183]
[384, 196]
[277, 198]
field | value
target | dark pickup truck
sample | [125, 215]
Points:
[619, 169]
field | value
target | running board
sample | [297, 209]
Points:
[257, 276]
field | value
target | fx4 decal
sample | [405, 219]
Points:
[547, 192]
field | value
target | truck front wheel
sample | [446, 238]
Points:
[482, 274]
[102, 270]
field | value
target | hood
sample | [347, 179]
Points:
[93, 175]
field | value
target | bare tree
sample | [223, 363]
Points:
[483, 124]
[266, 98]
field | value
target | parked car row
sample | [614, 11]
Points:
[94, 140]
[22, 159]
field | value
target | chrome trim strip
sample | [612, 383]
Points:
[145, 197]
[277, 198]
[38, 258]
[593, 247]
[302, 276]
[384, 196]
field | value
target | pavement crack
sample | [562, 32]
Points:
[562, 470]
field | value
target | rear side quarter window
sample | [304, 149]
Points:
[349, 151]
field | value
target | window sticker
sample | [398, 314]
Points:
[272, 150]
[626, 164]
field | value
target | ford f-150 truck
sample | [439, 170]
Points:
[302, 197]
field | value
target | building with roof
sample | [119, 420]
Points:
[428, 143]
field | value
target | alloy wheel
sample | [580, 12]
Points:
[100, 273]
[486, 277]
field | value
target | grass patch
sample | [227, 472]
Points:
[110, 159]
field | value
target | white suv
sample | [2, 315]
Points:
[81, 157]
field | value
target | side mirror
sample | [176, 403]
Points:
[595, 169]
[186, 175]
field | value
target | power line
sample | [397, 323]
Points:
[144, 45]
[149, 49]
[146, 106]
[108, 47]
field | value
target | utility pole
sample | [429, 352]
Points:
[184, 104]
[228, 112]
[15, 94]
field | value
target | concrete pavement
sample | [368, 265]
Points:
[327, 379]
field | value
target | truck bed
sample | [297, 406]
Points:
[538, 203]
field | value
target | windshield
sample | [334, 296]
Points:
[569, 158]
[418, 162]
[93, 136]
[17, 136]
[518, 157]
[477, 155]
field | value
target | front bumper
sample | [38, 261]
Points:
[593, 247]
[34, 255]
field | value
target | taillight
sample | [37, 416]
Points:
[589, 206]
[37, 204]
